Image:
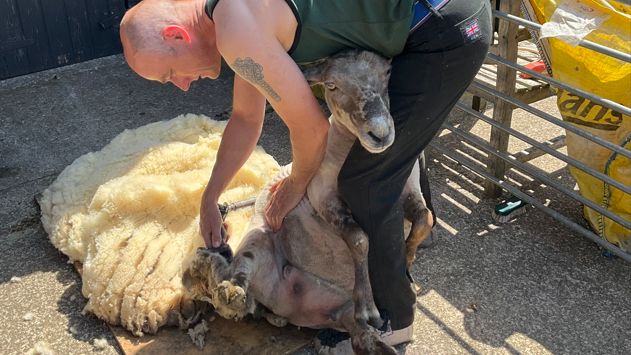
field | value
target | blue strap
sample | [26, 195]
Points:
[422, 13]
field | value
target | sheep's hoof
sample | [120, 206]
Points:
[369, 343]
[275, 320]
[229, 300]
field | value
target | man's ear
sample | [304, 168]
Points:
[314, 73]
[175, 32]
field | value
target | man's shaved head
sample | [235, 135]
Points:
[141, 27]
[170, 41]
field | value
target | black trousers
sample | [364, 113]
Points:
[438, 63]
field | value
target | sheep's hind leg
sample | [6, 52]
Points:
[416, 211]
[363, 339]
[338, 216]
[422, 221]
[273, 319]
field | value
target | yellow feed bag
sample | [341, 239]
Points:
[609, 78]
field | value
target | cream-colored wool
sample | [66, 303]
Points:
[100, 344]
[40, 348]
[129, 214]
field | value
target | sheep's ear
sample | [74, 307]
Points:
[314, 73]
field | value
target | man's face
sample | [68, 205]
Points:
[181, 64]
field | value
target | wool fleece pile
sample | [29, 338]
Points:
[129, 214]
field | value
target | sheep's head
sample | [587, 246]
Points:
[356, 91]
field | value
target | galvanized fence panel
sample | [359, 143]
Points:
[496, 147]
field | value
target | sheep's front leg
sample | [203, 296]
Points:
[231, 297]
[339, 216]
[206, 271]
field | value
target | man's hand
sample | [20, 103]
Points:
[210, 222]
[285, 196]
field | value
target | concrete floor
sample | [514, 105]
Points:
[530, 286]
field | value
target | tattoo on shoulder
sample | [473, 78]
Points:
[253, 72]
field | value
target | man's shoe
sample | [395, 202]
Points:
[396, 337]
[333, 342]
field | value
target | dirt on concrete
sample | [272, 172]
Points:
[529, 286]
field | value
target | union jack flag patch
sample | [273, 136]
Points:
[471, 30]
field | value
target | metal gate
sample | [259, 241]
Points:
[42, 34]
[503, 94]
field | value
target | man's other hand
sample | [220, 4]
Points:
[285, 196]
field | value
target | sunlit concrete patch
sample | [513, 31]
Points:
[45, 305]
[456, 203]
[522, 344]
[439, 328]
[447, 227]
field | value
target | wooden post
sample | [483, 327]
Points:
[503, 111]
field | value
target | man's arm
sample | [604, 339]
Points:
[240, 136]
[239, 140]
[256, 55]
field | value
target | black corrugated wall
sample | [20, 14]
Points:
[42, 34]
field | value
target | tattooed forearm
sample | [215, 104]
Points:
[253, 72]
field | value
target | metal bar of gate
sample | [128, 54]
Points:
[533, 201]
[547, 149]
[554, 120]
[537, 173]
[604, 102]
[583, 43]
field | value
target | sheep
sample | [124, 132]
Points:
[313, 271]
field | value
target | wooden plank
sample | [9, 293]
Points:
[60, 46]
[15, 43]
[526, 90]
[37, 35]
[95, 10]
[223, 337]
[506, 79]
[537, 93]
[13, 59]
[117, 9]
[528, 96]
[80, 38]
[33, 28]
[523, 34]
[488, 75]
[106, 40]
[532, 152]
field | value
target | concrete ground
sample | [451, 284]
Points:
[530, 286]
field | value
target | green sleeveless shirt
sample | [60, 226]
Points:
[328, 26]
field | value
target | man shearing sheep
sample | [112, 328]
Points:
[436, 46]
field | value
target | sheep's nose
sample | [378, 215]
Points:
[379, 129]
